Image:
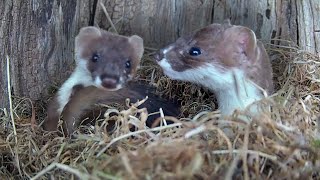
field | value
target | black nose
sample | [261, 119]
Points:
[158, 56]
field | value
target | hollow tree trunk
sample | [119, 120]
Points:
[38, 36]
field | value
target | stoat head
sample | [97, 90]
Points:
[111, 60]
[222, 46]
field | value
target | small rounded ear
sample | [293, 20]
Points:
[85, 34]
[226, 23]
[90, 30]
[137, 43]
[243, 39]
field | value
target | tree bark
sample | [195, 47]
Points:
[309, 25]
[38, 36]
[158, 22]
[161, 22]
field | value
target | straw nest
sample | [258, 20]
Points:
[283, 144]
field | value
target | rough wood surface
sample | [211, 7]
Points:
[161, 22]
[39, 35]
[309, 25]
[158, 22]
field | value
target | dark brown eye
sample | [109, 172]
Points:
[128, 64]
[95, 57]
[194, 51]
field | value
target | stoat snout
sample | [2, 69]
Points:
[163, 56]
[109, 82]
[159, 55]
[109, 71]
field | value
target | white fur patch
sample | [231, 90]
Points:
[122, 80]
[221, 83]
[81, 75]
[97, 81]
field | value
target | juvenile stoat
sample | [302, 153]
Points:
[225, 58]
[104, 61]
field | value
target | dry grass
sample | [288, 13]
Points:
[283, 144]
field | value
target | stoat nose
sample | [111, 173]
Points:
[109, 82]
[158, 56]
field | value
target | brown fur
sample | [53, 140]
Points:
[106, 57]
[51, 123]
[225, 46]
[114, 52]
[85, 98]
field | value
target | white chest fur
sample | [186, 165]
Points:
[81, 75]
[232, 89]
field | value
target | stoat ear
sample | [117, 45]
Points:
[226, 23]
[90, 30]
[244, 40]
[137, 43]
[85, 34]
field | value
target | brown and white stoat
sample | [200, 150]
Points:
[224, 58]
[105, 62]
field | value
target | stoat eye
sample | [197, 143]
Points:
[128, 64]
[95, 57]
[194, 51]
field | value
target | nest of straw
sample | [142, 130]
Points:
[283, 144]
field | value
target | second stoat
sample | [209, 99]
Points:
[226, 59]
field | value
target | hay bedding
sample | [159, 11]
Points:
[281, 145]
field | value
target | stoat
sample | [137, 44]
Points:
[105, 62]
[224, 58]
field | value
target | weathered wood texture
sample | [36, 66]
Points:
[161, 22]
[309, 25]
[158, 22]
[39, 35]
